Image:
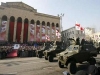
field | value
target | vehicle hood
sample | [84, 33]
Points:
[67, 53]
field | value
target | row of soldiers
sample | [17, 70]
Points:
[23, 51]
[4, 50]
[27, 51]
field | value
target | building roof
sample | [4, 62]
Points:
[23, 6]
[19, 5]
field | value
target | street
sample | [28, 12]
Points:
[34, 66]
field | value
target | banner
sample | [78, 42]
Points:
[43, 34]
[58, 34]
[32, 32]
[3, 30]
[53, 33]
[48, 32]
[38, 33]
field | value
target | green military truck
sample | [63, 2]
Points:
[56, 48]
[76, 54]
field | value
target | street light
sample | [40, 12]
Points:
[61, 15]
[61, 28]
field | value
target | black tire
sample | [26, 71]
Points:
[60, 64]
[46, 58]
[72, 67]
[50, 58]
[92, 61]
[40, 55]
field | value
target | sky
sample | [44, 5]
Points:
[85, 12]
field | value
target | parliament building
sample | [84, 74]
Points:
[20, 22]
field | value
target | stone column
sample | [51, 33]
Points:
[7, 29]
[22, 31]
[15, 28]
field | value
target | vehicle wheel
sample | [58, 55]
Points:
[50, 58]
[92, 61]
[46, 58]
[60, 64]
[39, 55]
[72, 67]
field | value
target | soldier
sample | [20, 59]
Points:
[78, 41]
[26, 51]
[1, 52]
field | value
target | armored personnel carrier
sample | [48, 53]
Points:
[76, 54]
[46, 46]
[55, 49]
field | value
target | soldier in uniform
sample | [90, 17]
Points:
[1, 52]
[26, 51]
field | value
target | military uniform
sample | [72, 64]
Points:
[1, 52]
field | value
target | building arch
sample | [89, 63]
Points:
[57, 25]
[19, 29]
[43, 23]
[37, 22]
[32, 21]
[53, 24]
[25, 34]
[11, 29]
[48, 24]
[4, 18]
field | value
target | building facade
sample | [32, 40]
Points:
[95, 37]
[20, 22]
[88, 32]
[72, 33]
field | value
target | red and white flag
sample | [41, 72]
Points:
[79, 27]
[58, 34]
[47, 37]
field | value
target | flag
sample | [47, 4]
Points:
[47, 37]
[77, 26]
[58, 34]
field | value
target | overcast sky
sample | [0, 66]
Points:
[85, 12]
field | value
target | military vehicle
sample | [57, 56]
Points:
[97, 45]
[56, 48]
[46, 46]
[76, 54]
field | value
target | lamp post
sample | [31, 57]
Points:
[61, 15]
[61, 28]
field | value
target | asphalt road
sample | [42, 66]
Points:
[34, 66]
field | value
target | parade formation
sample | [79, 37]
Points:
[41, 37]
